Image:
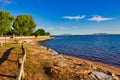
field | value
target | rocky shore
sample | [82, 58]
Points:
[82, 68]
[64, 67]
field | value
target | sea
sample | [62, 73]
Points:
[101, 48]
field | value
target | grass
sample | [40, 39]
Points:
[36, 67]
[9, 54]
[39, 64]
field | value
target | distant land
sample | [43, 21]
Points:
[104, 34]
[86, 34]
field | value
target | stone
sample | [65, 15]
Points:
[61, 57]
[93, 67]
[83, 71]
[53, 52]
[82, 64]
[60, 64]
[101, 76]
[109, 73]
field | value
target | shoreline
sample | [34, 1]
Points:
[104, 66]
[66, 63]
[69, 66]
[89, 59]
[98, 62]
[64, 60]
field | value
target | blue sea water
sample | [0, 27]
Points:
[104, 49]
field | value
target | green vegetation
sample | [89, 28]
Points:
[23, 25]
[5, 22]
[40, 32]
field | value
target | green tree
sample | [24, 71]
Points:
[47, 33]
[40, 32]
[5, 22]
[24, 25]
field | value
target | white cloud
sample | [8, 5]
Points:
[99, 18]
[74, 17]
[5, 2]
[51, 28]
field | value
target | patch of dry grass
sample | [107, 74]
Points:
[39, 66]
[36, 65]
[9, 55]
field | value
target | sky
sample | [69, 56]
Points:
[69, 16]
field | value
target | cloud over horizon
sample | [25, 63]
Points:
[74, 17]
[99, 18]
[5, 2]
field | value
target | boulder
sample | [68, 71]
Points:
[101, 76]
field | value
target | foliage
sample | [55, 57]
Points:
[41, 32]
[24, 25]
[5, 22]
[47, 33]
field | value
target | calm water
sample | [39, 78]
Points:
[104, 49]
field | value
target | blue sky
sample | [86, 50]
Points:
[69, 16]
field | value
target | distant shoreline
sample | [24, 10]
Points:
[91, 35]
